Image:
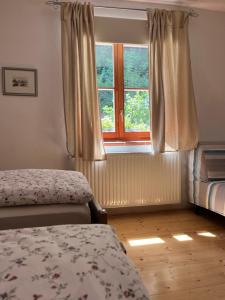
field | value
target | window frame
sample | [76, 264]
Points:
[120, 134]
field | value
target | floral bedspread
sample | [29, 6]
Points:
[35, 186]
[66, 262]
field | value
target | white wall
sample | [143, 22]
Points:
[207, 39]
[32, 133]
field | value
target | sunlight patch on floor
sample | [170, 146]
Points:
[182, 237]
[157, 240]
[143, 242]
[206, 234]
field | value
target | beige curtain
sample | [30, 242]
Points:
[82, 116]
[174, 118]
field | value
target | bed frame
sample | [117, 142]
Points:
[98, 214]
[51, 214]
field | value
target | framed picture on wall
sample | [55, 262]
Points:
[19, 82]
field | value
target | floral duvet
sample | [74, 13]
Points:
[34, 186]
[66, 262]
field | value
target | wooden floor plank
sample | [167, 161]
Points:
[188, 270]
[215, 292]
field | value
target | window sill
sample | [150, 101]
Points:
[128, 147]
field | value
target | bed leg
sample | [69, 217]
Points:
[98, 214]
[197, 210]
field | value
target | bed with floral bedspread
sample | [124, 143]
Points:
[66, 262]
[42, 197]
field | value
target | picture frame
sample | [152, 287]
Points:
[19, 82]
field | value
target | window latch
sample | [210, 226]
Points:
[121, 114]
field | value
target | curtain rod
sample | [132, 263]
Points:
[56, 3]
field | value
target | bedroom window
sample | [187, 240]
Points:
[122, 78]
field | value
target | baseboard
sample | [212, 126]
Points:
[146, 209]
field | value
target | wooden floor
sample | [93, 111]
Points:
[187, 270]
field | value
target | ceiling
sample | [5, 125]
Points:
[214, 5]
[218, 5]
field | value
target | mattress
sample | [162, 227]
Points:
[39, 215]
[66, 262]
[211, 195]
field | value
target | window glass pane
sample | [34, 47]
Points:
[104, 64]
[136, 111]
[107, 110]
[135, 67]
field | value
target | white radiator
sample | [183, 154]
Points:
[134, 179]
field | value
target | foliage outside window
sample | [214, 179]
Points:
[122, 78]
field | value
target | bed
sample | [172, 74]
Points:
[66, 262]
[32, 197]
[207, 177]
